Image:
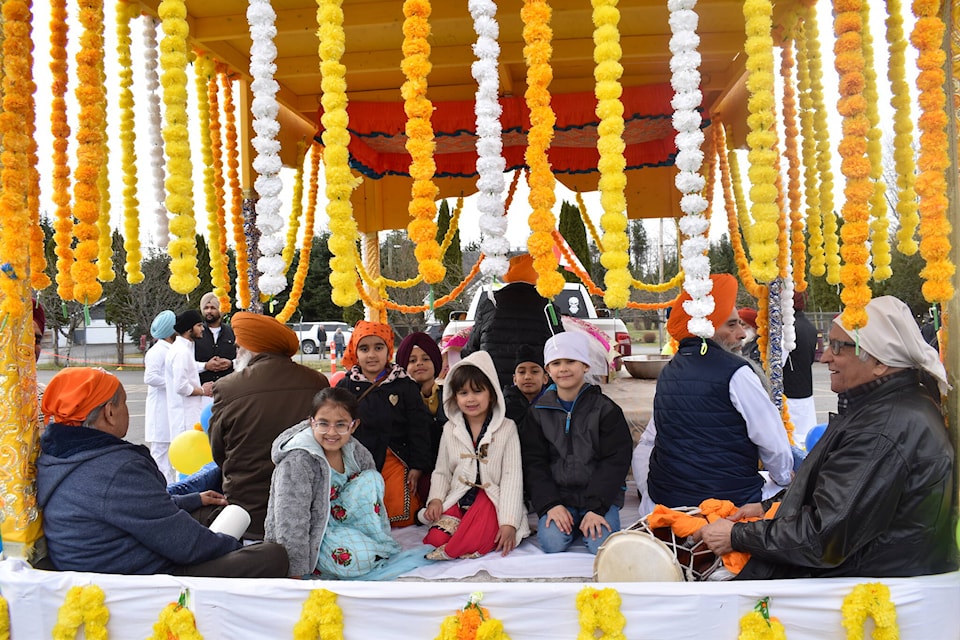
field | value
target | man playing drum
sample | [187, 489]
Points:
[873, 497]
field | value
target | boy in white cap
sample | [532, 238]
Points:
[156, 424]
[576, 447]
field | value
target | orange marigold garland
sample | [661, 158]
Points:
[300, 277]
[473, 622]
[420, 144]
[797, 244]
[855, 166]
[537, 51]
[90, 156]
[38, 260]
[127, 11]
[59, 127]
[933, 160]
[236, 195]
[216, 145]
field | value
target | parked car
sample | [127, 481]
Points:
[308, 333]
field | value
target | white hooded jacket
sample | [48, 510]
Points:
[501, 472]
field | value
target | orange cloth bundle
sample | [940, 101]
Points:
[711, 510]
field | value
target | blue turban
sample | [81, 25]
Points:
[162, 326]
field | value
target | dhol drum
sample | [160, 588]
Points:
[643, 554]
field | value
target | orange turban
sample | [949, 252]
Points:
[361, 330]
[521, 269]
[73, 393]
[725, 300]
[264, 334]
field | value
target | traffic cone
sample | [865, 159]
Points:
[333, 361]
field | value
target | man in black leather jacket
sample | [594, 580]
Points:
[873, 498]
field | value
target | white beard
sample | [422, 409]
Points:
[243, 359]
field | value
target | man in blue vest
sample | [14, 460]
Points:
[713, 422]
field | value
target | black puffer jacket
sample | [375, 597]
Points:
[871, 500]
[519, 317]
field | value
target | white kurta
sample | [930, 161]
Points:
[156, 422]
[182, 378]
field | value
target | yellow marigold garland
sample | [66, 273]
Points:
[452, 227]
[203, 69]
[855, 165]
[221, 286]
[726, 180]
[321, 617]
[761, 139]
[831, 242]
[86, 208]
[741, 211]
[798, 248]
[15, 141]
[903, 131]
[537, 51]
[173, 62]
[610, 146]
[176, 622]
[599, 609]
[83, 606]
[340, 182]
[588, 223]
[420, 144]
[59, 127]
[236, 195]
[811, 184]
[300, 277]
[758, 624]
[4, 619]
[473, 622]
[105, 240]
[933, 159]
[870, 599]
[296, 210]
[127, 11]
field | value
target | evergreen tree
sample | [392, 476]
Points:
[573, 231]
[639, 245]
[452, 260]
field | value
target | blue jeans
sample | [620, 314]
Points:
[553, 540]
[206, 479]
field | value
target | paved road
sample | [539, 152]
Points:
[132, 378]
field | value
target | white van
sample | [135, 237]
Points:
[308, 333]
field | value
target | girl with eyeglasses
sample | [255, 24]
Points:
[326, 496]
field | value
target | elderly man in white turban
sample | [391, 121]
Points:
[873, 497]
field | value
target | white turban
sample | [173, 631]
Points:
[893, 337]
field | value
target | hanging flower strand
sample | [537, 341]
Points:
[296, 209]
[60, 128]
[685, 66]
[903, 131]
[263, 53]
[855, 166]
[105, 241]
[336, 137]
[933, 160]
[90, 98]
[537, 51]
[38, 259]
[299, 278]
[490, 160]
[420, 143]
[236, 195]
[161, 228]
[797, 244]
[222, 283]
[179, 183]
[127, 11]
[811, 183]
[610, 147]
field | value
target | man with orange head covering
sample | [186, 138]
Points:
[511, 317]
[713, 422]
[267, 393]
[105, 503]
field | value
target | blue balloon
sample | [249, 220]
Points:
[205, 416]
[814, 435]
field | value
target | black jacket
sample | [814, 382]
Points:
[798, 370]
[225, 347]
[872, 499]
[518, 318]
[582, 467]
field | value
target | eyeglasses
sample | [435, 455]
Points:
[837, 345]
[324, 427]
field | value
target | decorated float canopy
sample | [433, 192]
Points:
[372, 59]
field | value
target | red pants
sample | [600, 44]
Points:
[475, 534]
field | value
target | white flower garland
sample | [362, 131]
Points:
[263, 52]
[789, 318]
[685, 79]
[490, 161]
[161, 228]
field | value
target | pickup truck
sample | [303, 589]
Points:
[574, 301]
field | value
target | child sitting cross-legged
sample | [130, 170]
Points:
[576, 451]
[476, 490]
[326, 497]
